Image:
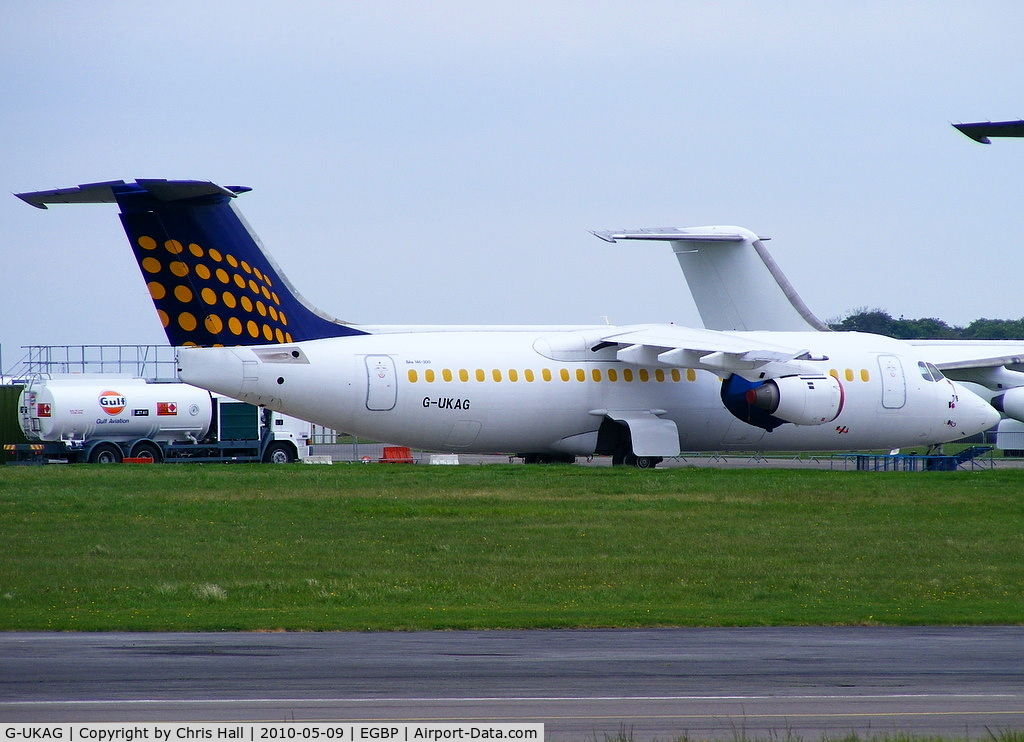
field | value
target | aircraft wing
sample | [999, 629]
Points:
[953, 355]
[719, 352]
[997, 365]
[981, 131]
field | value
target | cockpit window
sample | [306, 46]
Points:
[929, 372]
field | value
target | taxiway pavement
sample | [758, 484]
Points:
[583, 685]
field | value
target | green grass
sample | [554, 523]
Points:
[191, 547]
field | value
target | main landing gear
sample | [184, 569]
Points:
[614, 439]
[640, 462]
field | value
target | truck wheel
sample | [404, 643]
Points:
[279, 453]
[149, 451]
[105, 453]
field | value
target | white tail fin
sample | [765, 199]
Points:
[734, 280]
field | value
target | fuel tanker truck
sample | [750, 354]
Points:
[107, 419]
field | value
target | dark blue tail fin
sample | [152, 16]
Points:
[210, 279]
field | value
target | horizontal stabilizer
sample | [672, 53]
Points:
[107, 192]
[671, 233]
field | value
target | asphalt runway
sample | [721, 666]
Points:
[769, 683]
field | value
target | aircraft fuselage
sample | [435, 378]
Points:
[549, 391]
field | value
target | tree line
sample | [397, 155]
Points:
[880, 322]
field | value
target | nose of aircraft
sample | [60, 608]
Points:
[972, 414]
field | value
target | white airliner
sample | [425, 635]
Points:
[637, 393]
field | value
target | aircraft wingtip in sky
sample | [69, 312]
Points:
[638, 393]
[984, 130]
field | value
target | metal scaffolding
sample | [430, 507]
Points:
[151, 362]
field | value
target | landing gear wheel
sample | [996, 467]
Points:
[643, 462]
[279, 453]
[105, 453]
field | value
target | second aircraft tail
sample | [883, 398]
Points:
[734, 280]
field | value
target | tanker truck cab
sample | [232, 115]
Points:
[287, 438]
[281, 439]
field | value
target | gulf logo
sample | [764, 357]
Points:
[112, 402]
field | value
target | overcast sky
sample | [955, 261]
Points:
[443, 162]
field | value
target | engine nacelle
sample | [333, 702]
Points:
[1011, 403]
[802, 400]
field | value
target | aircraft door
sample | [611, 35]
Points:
[381, 383]
[894, 385]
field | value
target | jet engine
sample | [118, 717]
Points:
[802, 400]
[1011, 403]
